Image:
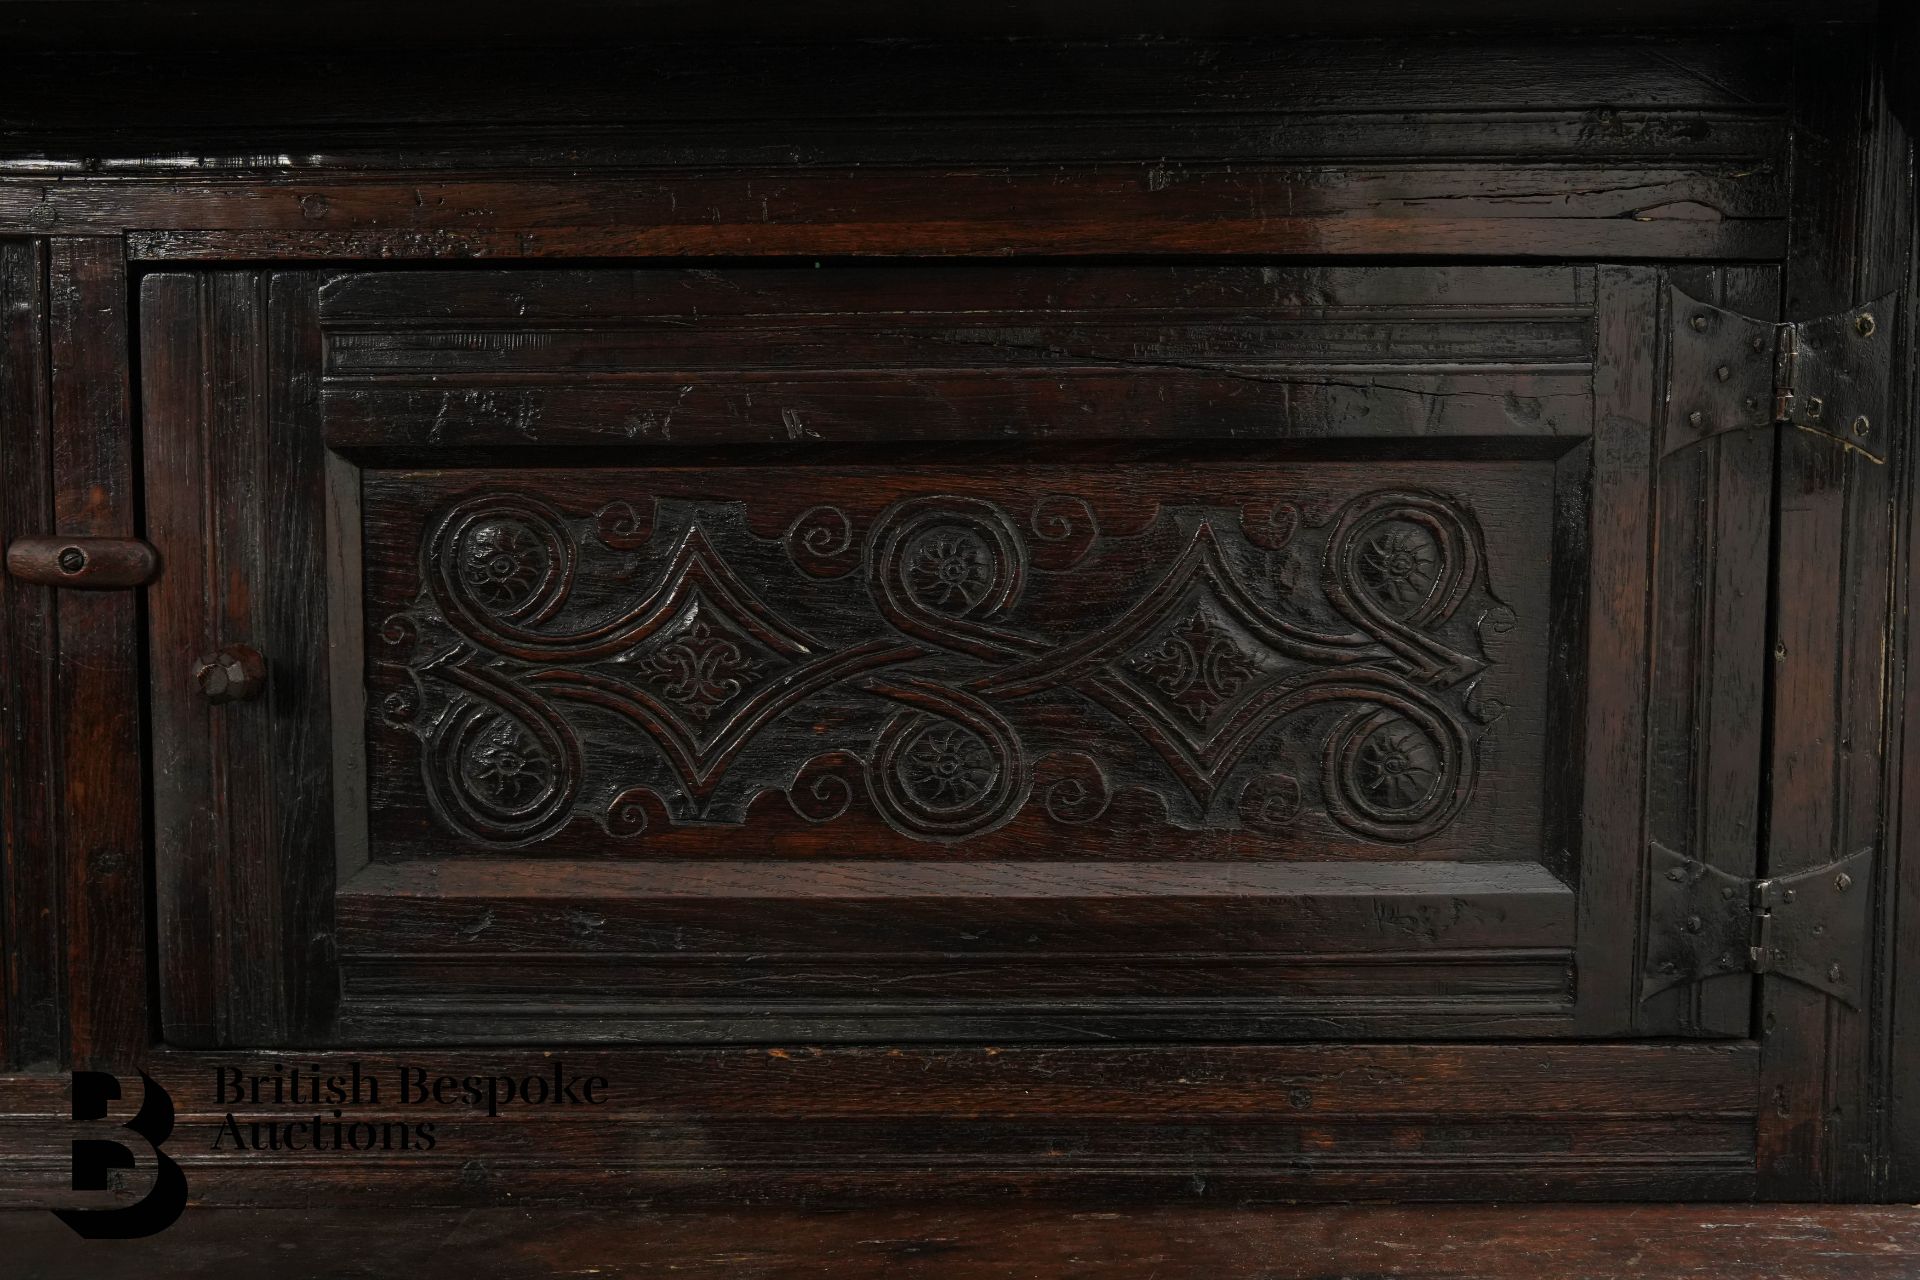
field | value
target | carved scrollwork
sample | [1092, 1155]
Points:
[400, 707]
[1271, 802]
[633, 812]
[820, 541]
[502, 768]
[1399, 770]
[940, 565]
[826, 786]
[1270, 525]
[1072, 786]
[1398, 564]
[503, 559]
[623, 527]
[950, 766]
[1065, 530]
[400, 631]
[928, 690]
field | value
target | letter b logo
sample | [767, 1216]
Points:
[93, 1158]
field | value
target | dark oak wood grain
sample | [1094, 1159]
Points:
[720, 327]
[235, 504]
[1492, 149]
[1713, 558]
[1244, 743]
[34, 1027]
[1902, 1038]
[75, 831]
[1573, 1242]
[844, 1125]
[1835, 641]
[908, 355]
[97, 700]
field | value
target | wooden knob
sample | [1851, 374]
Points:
[234, 674]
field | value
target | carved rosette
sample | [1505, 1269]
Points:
[949, 768]
[1204, 666]
[501, 778]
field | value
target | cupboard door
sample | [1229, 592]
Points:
[946, 653]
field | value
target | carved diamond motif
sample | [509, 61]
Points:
[699, 663]
[552, 666]
[1198, 666]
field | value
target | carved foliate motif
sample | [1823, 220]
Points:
[1243, 666]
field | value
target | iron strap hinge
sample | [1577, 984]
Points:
[1729, 372]
[1810, 927]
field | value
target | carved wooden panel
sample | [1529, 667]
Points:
[929, 653]
[1141, 661]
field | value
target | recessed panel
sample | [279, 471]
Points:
[1239, 661]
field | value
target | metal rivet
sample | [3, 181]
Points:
[1843, 882]
[1723, 373]
[1833, 973]
[1696, 419]
[1700, 323]
[1814, 405]
[72, 560]
[1787, 896]
[1861, 425]
[1863, 324]
[1751, 404]
[1758, 344]
[1727, 893]
[1693, 924]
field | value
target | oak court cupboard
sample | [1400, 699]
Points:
[1114, 604]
